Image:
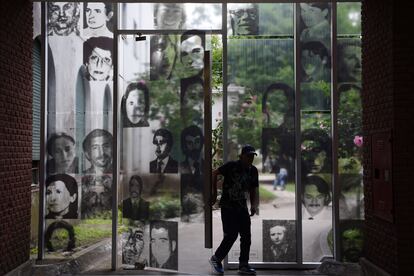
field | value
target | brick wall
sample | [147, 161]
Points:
[15, 132]
[404, 134]
[388, 89]
[377, 101]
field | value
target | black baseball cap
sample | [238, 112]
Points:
[248, 149]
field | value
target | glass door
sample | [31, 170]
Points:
[163, 83]
[261, 111]
[279, 100]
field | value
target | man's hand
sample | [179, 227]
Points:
[253, 211]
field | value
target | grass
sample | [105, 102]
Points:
[90, 233]
[290, 187]
[87, 232]
[265, 195]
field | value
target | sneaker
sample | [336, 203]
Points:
[217, 266]
[247, 270]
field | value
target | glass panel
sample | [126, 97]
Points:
[261, 112]
[351, 201]
[260, 19]
[161, 151]
[315, 40]
[349, 18]
[79, 134]
[170, 16]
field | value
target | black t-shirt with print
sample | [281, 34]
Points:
[237, 181]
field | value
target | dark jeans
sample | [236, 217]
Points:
[235, 221]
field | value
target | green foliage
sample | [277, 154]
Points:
[257, 63]
[316, 119]
[350, 165]
[87, 234]
[164, 207]
[33, 250]
[217, 62]
[97, 221]
[349, 122]
[245, 121]
[217, 145]
[276, 19]
[349, 18]
[290, 187]
[265, 195]
[253, 65]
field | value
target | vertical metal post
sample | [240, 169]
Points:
[334, 134]
[298, 168]
[114, 259]
[208, 217]
[43, 136]
[225, 84]
[225, 96]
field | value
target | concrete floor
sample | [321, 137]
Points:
[193, 257]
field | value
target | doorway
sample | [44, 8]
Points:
[284, 77]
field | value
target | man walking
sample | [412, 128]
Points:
[240, 177]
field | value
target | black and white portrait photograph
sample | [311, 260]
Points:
[169, 16]
[244, 18]
[315, 61]
[61, 149]
[192, 45]
[163, 56]
[133, 246]
[316, 198]
[164, 244]
[96, 196]
[192, 100]
[316, 151]
[279, 241]
[278, 106]
[61, 197]
[135, 207]
[163, 162]
[351, 197]
[98, 19]
[97, 148]
[315, 26]
[352, 240]
[97, 58]
[53, 237]
[192, 204]
[349, 60]
[192, 145]
[63, 18]
[135, 105]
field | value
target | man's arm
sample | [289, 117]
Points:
[253, 201]
[214, 186]
[254, 193]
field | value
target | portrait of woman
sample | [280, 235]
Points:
[61, 149]
[61, 197]
[135, 105]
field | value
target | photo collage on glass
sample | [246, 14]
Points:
[162, 117]
[79, 118]
[350, 136]
[261, 112]
[316, 152]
